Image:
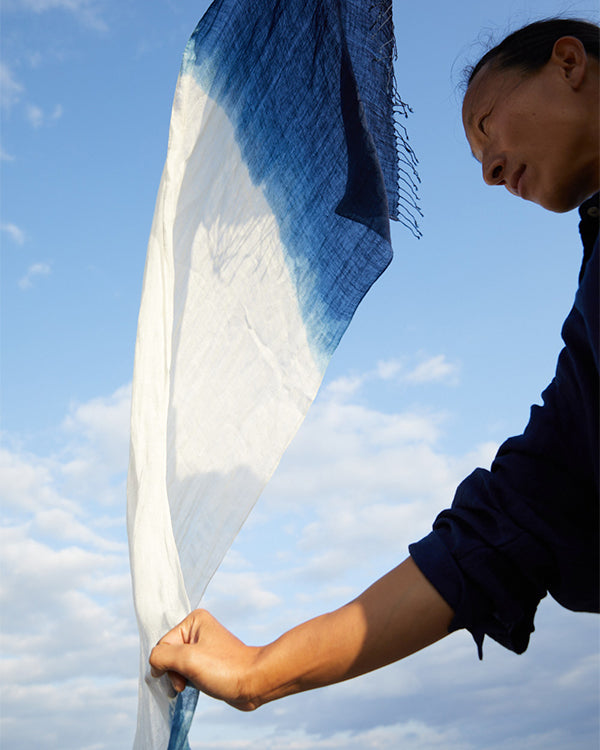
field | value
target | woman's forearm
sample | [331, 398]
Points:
[396, 616]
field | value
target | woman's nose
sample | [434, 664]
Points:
[493, 171]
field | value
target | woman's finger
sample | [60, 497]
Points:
[178, 681]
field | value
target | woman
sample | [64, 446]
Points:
[528, 526]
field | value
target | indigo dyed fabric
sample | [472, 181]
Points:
[285, 163]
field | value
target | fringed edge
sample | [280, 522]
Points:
[406, 190]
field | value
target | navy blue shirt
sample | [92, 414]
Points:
[530, 525]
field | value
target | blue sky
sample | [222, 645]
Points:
[441, 363]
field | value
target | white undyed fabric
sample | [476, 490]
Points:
[223, 378]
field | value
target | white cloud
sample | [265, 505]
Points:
[37, 117]
[104, 422]
[28, 484]
[346, 385]
[34, 115]
[35, 270]
[97, 447]
[242, 592]
[5, 156]
[433, 370]
[88, 12]
[584, 672]
[61, 526]
[371, 481]
[16, 234]
[364, 455]
[42, 715]
[410, 735]
[405, 372]
[65, 582]
[388, 369]
[10, 88]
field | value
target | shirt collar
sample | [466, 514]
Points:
[589, 226]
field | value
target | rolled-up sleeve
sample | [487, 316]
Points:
[529, 525]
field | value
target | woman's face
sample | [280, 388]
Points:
[526, 130]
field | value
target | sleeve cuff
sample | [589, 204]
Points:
[439, 567]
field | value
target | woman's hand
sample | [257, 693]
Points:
[201, 651]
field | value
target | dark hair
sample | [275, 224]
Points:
[531, 47]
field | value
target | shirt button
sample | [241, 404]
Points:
[593, 211]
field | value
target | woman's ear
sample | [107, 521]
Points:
[570, 55]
